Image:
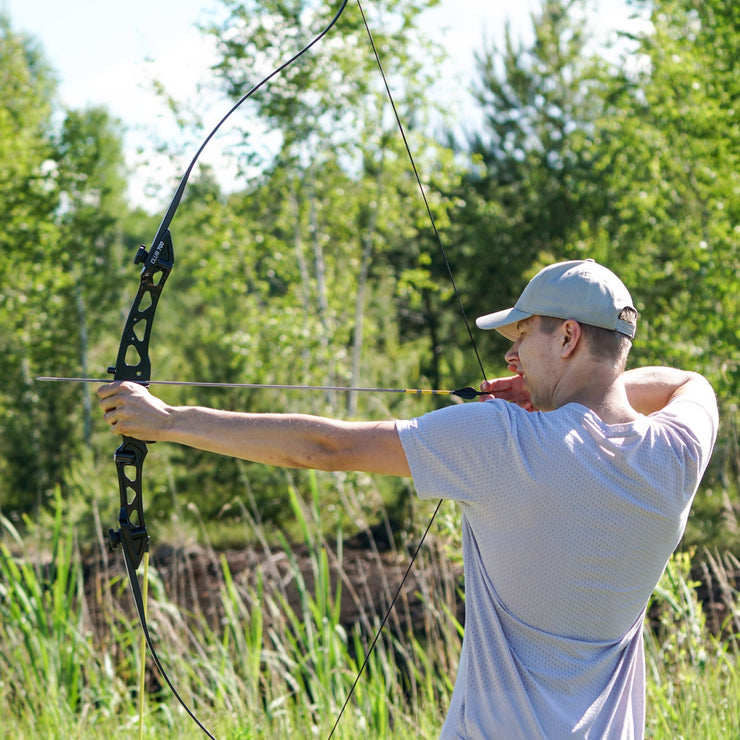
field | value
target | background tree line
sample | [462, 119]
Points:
[322, 268]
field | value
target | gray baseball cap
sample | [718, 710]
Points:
[582, 290]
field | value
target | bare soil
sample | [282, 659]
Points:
[371, 573]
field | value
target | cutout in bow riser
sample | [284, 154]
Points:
[132, 534]
[133, 362]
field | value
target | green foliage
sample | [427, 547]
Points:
[60, 196]
[272, 666]
[331, 101]
[672, 153]
[51, 670]
[322, 267]
[691, 674]
[27, 197]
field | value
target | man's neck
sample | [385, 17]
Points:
[599, 388]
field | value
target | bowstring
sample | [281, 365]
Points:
[142, 647]
[432, 220]
[458, 297]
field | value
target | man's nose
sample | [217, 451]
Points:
[513, 353]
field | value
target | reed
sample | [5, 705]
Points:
[268, 655]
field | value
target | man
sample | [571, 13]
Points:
[575, 480]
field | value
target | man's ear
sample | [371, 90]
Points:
[570, 337]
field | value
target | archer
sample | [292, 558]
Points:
[575, 479]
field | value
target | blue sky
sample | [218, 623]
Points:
[107, 52]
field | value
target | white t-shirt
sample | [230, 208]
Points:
[568, 524]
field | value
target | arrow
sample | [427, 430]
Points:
[466, 393]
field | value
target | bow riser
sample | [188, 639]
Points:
[132, 534]
[133, 362]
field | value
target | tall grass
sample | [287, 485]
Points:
[54, 680]
[270, 657]
[693, 687]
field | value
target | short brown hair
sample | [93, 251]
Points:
[604, 343]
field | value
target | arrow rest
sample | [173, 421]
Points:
[141, 255]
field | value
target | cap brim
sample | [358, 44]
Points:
[503, 321]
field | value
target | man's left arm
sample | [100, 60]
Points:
[285, 440]
[651, 389]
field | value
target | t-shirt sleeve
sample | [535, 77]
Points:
[452, 452]
[696, 420]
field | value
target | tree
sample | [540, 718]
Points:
[27, 199]
[669, 146]
[531, 160]
[671, 153]
[329, 113]
[58, 195]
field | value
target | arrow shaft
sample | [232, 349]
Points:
[462, 392]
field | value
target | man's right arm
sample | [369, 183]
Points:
[650, 389]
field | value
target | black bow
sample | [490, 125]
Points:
[132, 363]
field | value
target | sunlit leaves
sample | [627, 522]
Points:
[60, 197]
